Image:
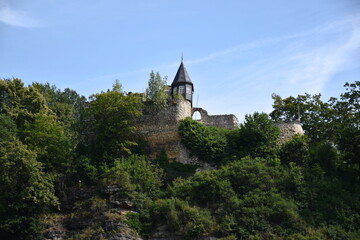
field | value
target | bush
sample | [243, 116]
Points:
[85, 170]
[296, 150]
[208, 143]
[213, 189]
[181, 217]
[133, 220]
[257, 137]
[135, 173]
[249, 173]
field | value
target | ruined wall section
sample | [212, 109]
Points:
[228, 121]
[222, 121]
[160, 130]
[288, 130]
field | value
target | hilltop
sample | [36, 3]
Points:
[99, 168]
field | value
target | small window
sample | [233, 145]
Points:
[188, 89]
[182, 89]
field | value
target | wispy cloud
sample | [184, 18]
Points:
[289, 65]
[16, 18]
[336, 26]
[313, 68]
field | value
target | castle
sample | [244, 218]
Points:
[160, 128]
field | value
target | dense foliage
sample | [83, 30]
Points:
[336, 122]
[209, 143]
[109, 128]
[52, 141]
[257, 137]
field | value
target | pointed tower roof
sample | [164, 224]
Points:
[182, 76]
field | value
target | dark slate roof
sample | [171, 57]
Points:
[181, 76]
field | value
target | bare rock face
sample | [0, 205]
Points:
[288, 130]
[54, 235]
[91, 216]
[119, 231]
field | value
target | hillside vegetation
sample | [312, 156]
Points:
[75, 165]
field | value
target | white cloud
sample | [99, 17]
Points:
[16, 18]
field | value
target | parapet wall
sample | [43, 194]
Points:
[228, 121]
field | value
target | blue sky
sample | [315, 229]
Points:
[237, 52]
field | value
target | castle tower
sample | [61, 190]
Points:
[182, 84]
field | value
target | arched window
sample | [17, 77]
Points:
[196, 116]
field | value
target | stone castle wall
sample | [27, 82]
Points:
[288, 130]
[228, 121]
[160, 130]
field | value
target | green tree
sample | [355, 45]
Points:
[142, 175]
[156, 91]
[296, 150]
[26, 192]
[257, 136]
[8, 128]
[191, 222]
[347, 126]
[67, 105]
[110, 124]
[336, 121]
[313, 114]
[215, 190]
[46, 137]
[208, 143]
[19, 102]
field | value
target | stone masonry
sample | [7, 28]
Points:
[288, 130]
[228, 121]
[160, 128]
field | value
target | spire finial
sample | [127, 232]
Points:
[182, 57]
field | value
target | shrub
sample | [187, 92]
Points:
[181, 217]
[257, 137]
[135, 173]
[208, 143]
[296, 150]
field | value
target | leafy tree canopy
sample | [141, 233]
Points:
[26, 192]
[19, 102]
[257, 136]
[46, 137]
[336, 121]
[156, 91]
[110, 118]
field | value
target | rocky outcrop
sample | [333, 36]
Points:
[90, 216]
